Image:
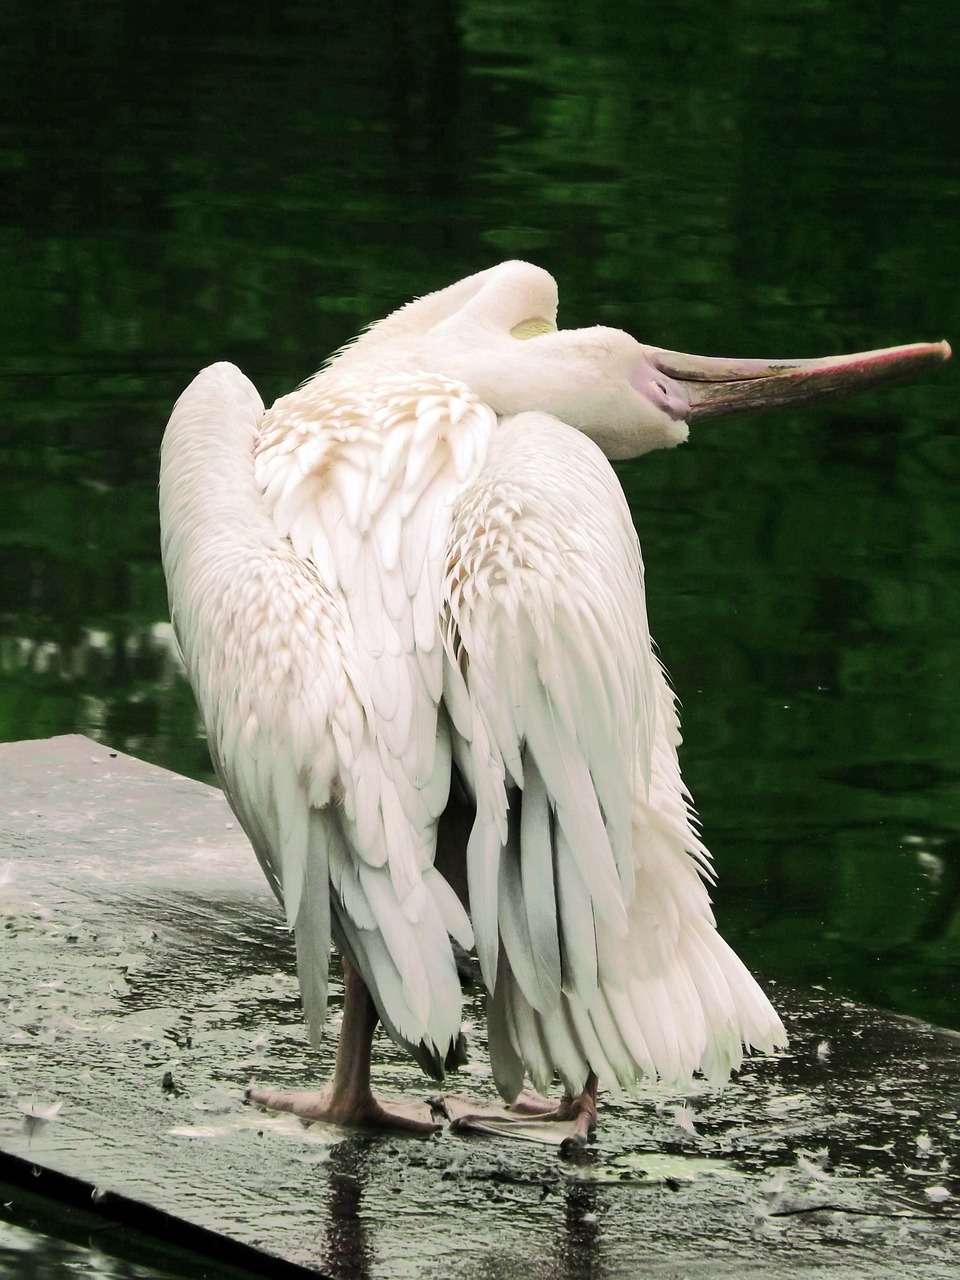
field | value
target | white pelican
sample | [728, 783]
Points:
[410, 601]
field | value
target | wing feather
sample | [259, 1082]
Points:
[566, 775]
[599, 949]
[537, 880]
[312, 929]
[577, 924]
[361, 480]
[483, 877]
[513, 924]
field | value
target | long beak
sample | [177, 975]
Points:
[718, 386]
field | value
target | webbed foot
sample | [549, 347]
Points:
[569, 1123]
[360, 1109]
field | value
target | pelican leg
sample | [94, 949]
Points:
[348, 1098]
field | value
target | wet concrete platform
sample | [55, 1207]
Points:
[146, 978]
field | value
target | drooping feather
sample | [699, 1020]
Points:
[600, 948]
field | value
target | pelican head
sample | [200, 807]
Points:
[497, 332]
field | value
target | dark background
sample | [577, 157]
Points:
[254, 182]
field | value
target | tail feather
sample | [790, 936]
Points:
[407, 964]
[671, 999]
[312, 930]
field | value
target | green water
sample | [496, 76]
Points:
[43, 1240]
[191, 182]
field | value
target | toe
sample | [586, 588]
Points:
[359, 1109]
[309, 1104]
[411, 1117]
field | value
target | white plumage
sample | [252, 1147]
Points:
[411, 590]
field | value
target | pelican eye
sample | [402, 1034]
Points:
[532, 328]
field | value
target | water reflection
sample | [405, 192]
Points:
[580, 1253]
[349, 1253]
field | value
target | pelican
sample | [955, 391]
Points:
[410, 601]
